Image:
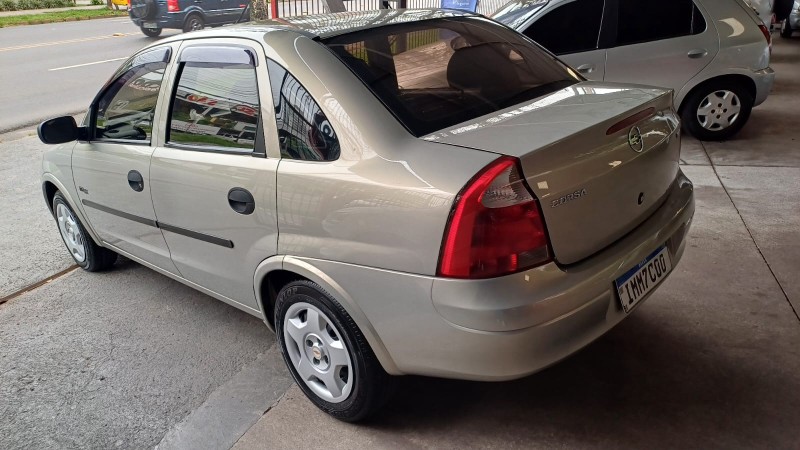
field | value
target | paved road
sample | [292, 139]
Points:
[37, 80]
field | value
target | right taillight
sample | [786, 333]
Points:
[172, 6]
[496, 226]
[765, 30]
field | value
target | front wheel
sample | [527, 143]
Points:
[80, 245]
[327, 355]
[193, 23]
[151, 32]
[717, 111]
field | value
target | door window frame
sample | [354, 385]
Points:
[601, 41]
[91, 132]
[612, 33]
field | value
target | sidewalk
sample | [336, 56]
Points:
[82, 5]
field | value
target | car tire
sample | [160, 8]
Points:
[318, 338]
[151, 32]
[717, 110]
[786, 29]
[88, 255]
[193, 22]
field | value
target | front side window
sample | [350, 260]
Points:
[437, 73]
[125, 110]
[652, 20]
[573, 27]
[215, 107]
[304, 131]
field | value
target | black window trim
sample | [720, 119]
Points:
[259, 148]
[91, 132]
[598, 45]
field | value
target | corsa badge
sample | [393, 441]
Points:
[635, 140]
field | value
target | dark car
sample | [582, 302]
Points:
[152, 16]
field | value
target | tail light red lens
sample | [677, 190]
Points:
[172, 6]
[764, 29]
[129, 5]
[496, 226]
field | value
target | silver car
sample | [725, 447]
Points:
[713, 53]
[393, 192]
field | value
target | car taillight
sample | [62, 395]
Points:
[129, 5]
[764, 29]
[172, 6]
[495, 227]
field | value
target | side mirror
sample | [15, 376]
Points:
[58, 130]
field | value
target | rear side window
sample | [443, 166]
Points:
[215, 106]
[304, 131]
[653, 20]
[438, 73]
[573, 27]
[125, 110]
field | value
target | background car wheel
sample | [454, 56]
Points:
[80, 245]
[327, 354]
[151, 32]
[786, 29]
[193, 23]
[717, 111]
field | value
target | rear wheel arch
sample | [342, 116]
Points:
[273, 274]
[741, 80]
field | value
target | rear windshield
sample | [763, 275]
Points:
[437, 73]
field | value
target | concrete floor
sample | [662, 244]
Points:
[131, 359]
[712, 360]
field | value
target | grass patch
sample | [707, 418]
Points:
[59, 16]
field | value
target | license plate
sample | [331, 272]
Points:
[150, 25]
[643, 278]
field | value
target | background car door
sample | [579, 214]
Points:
[112, 170]
[213, 186]
[660, 43]
[572, 32]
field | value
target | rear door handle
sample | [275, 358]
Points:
[586, 68]
[698, 53]
[135, 181]
[241, 201]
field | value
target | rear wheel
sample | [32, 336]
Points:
[327, 354]
[193, 23]
[717, 110]
[80, 245]
[151, 32]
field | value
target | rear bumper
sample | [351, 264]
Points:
[763, 79]
[169, 20]
[507, 327]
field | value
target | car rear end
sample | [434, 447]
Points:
[580, 213]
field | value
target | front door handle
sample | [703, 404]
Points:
[135, 181]
[586, 68]
[241, 201]
[697, 53]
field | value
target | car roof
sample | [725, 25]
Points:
[323, 26]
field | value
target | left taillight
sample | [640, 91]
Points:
[172, 6]
[496, 226]
[767, 35]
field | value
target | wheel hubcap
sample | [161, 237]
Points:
[719, 110]
[71, 232]
[317, 352]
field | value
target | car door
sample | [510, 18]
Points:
[111, 169]
[571, 30]
[660, 43]
[231, 10]
[213, 185]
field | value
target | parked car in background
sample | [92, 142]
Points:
[713, 53]
[764, 10]
[394, 192]
[152, 16]
[792, 22]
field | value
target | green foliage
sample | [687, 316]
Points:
[98, 2]
[8, 5]
[59, 16]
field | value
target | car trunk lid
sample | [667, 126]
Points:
[579, 153]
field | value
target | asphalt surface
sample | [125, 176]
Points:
[38, 79]
[131, 359]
